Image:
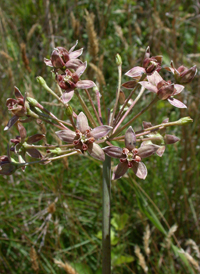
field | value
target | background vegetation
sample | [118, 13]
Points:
[54, 212]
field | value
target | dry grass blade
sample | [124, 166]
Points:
[99, 74]
[65, 266]
[24, 56]
[34, 259]
[146, 238]
[141, 259]
[119, 32]
[32, 30]
[194, 247]
[171, 232]
[191, 260]
[93, 44]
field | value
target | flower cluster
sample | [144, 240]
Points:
[96, 139]
[68, 70]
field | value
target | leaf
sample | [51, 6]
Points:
[123, 259]
[119, 221]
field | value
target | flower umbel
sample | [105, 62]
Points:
[130, 156]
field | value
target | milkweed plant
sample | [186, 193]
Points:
[90, 132]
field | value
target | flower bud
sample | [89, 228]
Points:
[122, 97]
[185, 75]
[170, 139]
[184, 121]
[7, 167]
[69, 111]
[41, 81]
[118, 60]
[32, 101]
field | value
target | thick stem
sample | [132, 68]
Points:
[106, 245]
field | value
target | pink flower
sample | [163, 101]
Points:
[130, 156]
[183, 75]
[62, 58]
[84, 138]
[164, 90]
[70, 80]
[17, 107]
[149, 66]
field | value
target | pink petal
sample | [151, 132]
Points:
[33, 152]
[130, 138]
[72, 48]
[160, 151]
[130, 84]
[147, 150]
[11, 122]
[18, 93]
[73, 63]
[146, 124]
[35, 138]
[81, 69]
[48, 62]
[85, 84]
[82, 122]
[165, 121]
[177, 89]
[114, 152]
[120, 170]
[154, 78]
[149, 86]
[96, 151]
[22, 130]
[66, 135]
[135, 72]
[75, 54]
[100, 131]
[176, 103]
[67, 96]
[140, 170]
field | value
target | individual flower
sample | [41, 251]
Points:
[161, 139]
[62, 58]
[164, 90]
[130, 156]
[17, 107]
[23, 144]
[71, 80]
[182, 74]
[84, 138]
[7, 167]
[149, 66]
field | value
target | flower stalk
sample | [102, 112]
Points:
[106, 242]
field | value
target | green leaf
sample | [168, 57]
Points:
[82, 268]
[124, 259]
[119, 221]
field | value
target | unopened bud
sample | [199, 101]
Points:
[118, 60]
[184, 121]
[185, 75]
[170, 139]
[41, 81]
[56, 151]
[32, 101]
[69, 111]
[122, 97]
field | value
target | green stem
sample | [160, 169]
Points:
[117, 94]
[106, 244]
[85, 108]
[135, 117]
